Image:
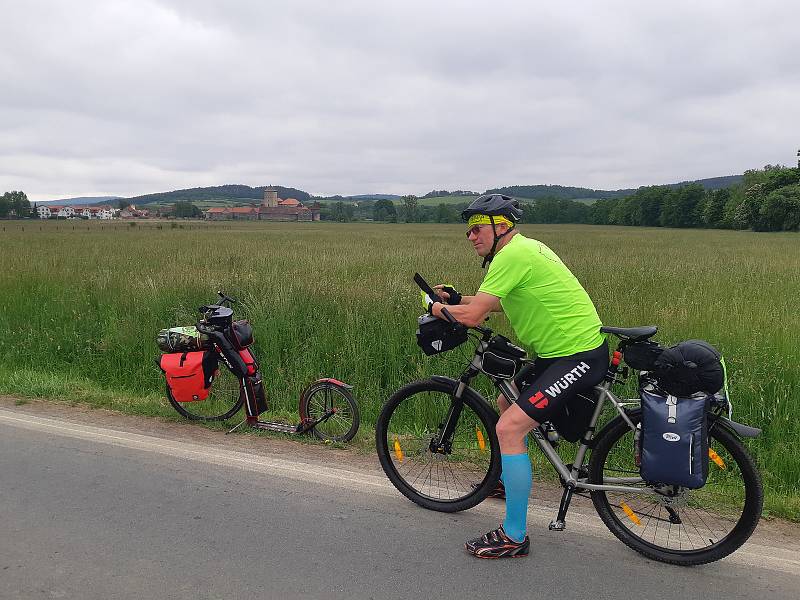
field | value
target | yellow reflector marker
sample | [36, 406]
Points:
[631, 515]
[716, 458]
[481, 440]
[398, 451]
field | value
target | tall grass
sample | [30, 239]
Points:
[79, 309]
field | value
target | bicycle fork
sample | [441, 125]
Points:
[443, 443]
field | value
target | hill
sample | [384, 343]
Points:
[82, 200]
[586, 194]
[226, 193]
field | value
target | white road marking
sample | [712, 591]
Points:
[752, 554]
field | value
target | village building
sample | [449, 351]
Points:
[46, 211]
[271, 208]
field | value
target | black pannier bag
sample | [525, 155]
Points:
[573, 419]
[674, 438]
[642, 356]
[501, 358]
[436, 335]
[240, 334]
[255, 388]
[689, 367]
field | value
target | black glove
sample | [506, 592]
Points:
[455, 297]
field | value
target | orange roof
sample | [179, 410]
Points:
[244, 209]
[216, 209]
[289, 202]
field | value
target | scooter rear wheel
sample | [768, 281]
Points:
[323, 396]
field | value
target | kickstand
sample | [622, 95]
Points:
[237, 427]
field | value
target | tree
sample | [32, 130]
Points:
[712, 214]
[780, 210]
[384, 210]
[187, 209]
[410, 209]
[342, 212]
[123, 203]
[446, 214]
[34, 211]
[16, 203]
[679, 208]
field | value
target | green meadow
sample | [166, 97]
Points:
[80, 306]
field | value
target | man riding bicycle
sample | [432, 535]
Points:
[553, 316]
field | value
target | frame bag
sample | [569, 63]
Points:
[674, 438]
[189, 374]
[573, 419]
[501, 358]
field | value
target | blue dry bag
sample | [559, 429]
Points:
[674, 438]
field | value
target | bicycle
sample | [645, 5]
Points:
[437, 445]
[327, 408]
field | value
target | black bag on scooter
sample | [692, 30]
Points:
[674, 438]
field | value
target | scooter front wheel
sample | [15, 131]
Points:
[331, 403]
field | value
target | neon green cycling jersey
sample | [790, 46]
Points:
[551, 313]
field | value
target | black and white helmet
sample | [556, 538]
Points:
[494, 205]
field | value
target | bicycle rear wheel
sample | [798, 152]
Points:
[453, 476]
[678, 525]
[224, 399]
[324, 396]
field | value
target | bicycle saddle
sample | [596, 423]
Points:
[633, 333]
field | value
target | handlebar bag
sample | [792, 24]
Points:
[436, 335]
[190, 374]
[674, 438]
[240, 334]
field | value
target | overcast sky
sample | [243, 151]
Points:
[106, 97]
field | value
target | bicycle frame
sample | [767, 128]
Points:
[570, 478]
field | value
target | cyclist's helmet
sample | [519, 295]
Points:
[494, 205]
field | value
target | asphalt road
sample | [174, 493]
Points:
[89, 512]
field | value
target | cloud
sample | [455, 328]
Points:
[123, 98]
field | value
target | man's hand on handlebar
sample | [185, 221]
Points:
[448, 294]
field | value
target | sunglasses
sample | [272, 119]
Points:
[474, 230]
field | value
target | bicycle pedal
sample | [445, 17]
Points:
[557, 525]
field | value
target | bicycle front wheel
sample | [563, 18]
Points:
[447, 475]
[678, 525]
[224, 399]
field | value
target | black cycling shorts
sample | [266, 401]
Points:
[549, 384]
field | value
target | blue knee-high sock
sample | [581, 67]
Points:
[517, 474]
[501, 474]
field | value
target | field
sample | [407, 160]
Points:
[81, 305]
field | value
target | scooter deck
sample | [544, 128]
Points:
[281, 427]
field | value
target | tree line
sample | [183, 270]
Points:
[766, 199]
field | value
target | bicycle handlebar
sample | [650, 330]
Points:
[425, 287]
[224, 298]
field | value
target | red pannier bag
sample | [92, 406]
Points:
[190, 374]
